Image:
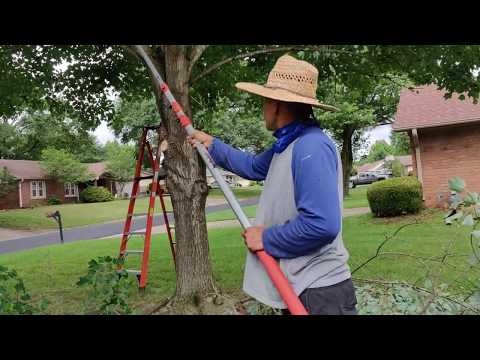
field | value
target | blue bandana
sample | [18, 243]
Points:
[287, 134]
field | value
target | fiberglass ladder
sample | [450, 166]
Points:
[142, 273]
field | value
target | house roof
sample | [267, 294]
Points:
[406, 160]
[425, 107]
[369, 166]
[28, 169]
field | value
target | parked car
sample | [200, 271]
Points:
[364, 179]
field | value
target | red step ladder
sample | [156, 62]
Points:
[142, 273]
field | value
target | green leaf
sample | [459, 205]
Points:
[456, 184]
[471, 199]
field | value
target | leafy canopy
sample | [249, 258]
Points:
[64, 167]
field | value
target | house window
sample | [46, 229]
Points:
[38, 189]
[71, 190]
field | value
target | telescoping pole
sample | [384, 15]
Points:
[271, 266]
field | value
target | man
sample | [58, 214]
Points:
[299, 214]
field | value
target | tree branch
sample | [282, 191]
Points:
[417, 288]
[251, 53]
[387, 238]
[194, 55]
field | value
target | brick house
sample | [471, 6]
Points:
[445, 140]
[34, 187]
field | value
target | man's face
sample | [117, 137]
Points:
[270, 112]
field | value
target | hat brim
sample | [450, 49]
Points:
[282, 95]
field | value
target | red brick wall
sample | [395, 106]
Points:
[445, 153]
[53, 189]
[10, 201]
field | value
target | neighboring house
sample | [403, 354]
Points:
[34, 187]
[230, 178]
[144, 185]
[445, 140]
[381, 165]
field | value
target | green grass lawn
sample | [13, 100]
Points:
[356, 198]
[250, 211]
[72, 214]
[52, 271]
[240, 193]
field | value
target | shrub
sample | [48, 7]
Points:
[107, 288]
[397, 196]
[14, 297]
[53, 200]
[94, 194]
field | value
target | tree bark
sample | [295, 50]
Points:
[186, 182]
[347, 158]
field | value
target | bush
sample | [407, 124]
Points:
[14, 297]
[397, 196]
[94, 194]
[53, 200]
[107, 288]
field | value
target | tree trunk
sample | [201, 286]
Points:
[186, 182]
[347, 158]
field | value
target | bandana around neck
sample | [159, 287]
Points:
[287, 134]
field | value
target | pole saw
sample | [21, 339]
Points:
[271, 266]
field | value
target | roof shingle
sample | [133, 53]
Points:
[28, 169]
[429, 108]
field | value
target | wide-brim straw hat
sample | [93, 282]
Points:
[290, 80]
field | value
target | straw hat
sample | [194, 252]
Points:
[290, 80]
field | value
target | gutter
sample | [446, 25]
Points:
[20, 202]
[418, 158]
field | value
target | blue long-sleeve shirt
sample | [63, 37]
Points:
[315, 178]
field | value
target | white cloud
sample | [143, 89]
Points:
[375, 134]
[104, 134]
[380, 133]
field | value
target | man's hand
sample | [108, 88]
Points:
[254, 238]
[201, 137]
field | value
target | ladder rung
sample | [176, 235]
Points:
[138, 252]
[152, 127]
[166, 194]
[137, 178]
[137, 214]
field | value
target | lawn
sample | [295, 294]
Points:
[250, 211]
[72, 214]
[240, 193]
[52, 271]
[357, 198]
